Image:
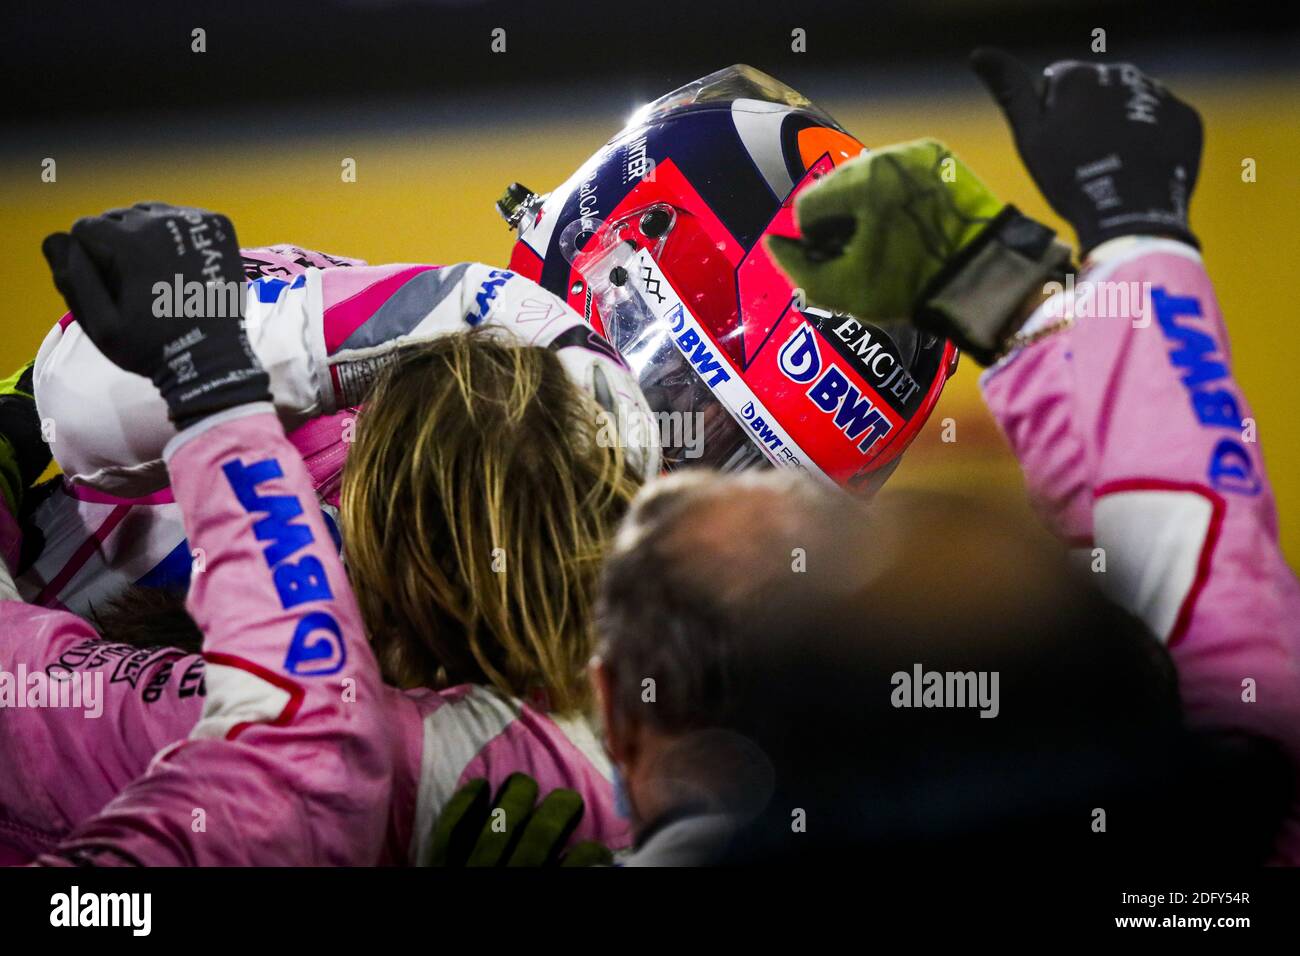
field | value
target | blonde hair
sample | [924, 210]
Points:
[477, 506]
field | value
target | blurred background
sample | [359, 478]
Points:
[259, 124]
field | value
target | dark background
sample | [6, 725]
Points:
[65, 59]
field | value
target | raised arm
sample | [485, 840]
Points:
[1134, 435]
[289, 763]
[1116, 393]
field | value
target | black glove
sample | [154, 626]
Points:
[23, 452]
[1113, 151]
[513, 831]
[107, 270]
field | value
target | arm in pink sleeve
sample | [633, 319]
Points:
[288, 763]
[80, 717]
[1138, 442]
[83, 720]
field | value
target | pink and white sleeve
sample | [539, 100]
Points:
[1138, 444]
[289, 762]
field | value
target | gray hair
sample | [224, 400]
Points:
[687, 578]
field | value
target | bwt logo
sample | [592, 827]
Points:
[800, 360]
[696, 349]
[487, 294]
[764, 432]
[316, 648]
[1204, 374]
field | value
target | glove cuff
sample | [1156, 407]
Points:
[1164, 229]
[975, 300]
[207, 371]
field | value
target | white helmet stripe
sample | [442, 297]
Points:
[759, 127]
[725, 383]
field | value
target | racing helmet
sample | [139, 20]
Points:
[657, 240]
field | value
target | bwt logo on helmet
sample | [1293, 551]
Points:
[487, 293]
[764, 432]
[316, 648]
[800, 360]
[695, 347]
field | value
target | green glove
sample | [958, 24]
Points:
[513, 831]
[23, 452]
[908, 232]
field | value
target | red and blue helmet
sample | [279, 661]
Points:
[658, 241]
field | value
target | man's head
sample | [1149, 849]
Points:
[921, 677]
[695, 559]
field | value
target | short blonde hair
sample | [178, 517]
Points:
[477, 506]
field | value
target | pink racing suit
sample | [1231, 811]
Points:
[1139, 447]
[153, 697]
[280, 766]
[94, 544]
[322, 333]
[60, 765]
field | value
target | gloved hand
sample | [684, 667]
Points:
[107, 270]
[908, 232]
[1112, 150]
[513, 831]
[23, 452]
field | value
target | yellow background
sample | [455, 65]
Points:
[427, 197]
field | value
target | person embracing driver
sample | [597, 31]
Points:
[242, 788]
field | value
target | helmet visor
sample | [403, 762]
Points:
[695, 427]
